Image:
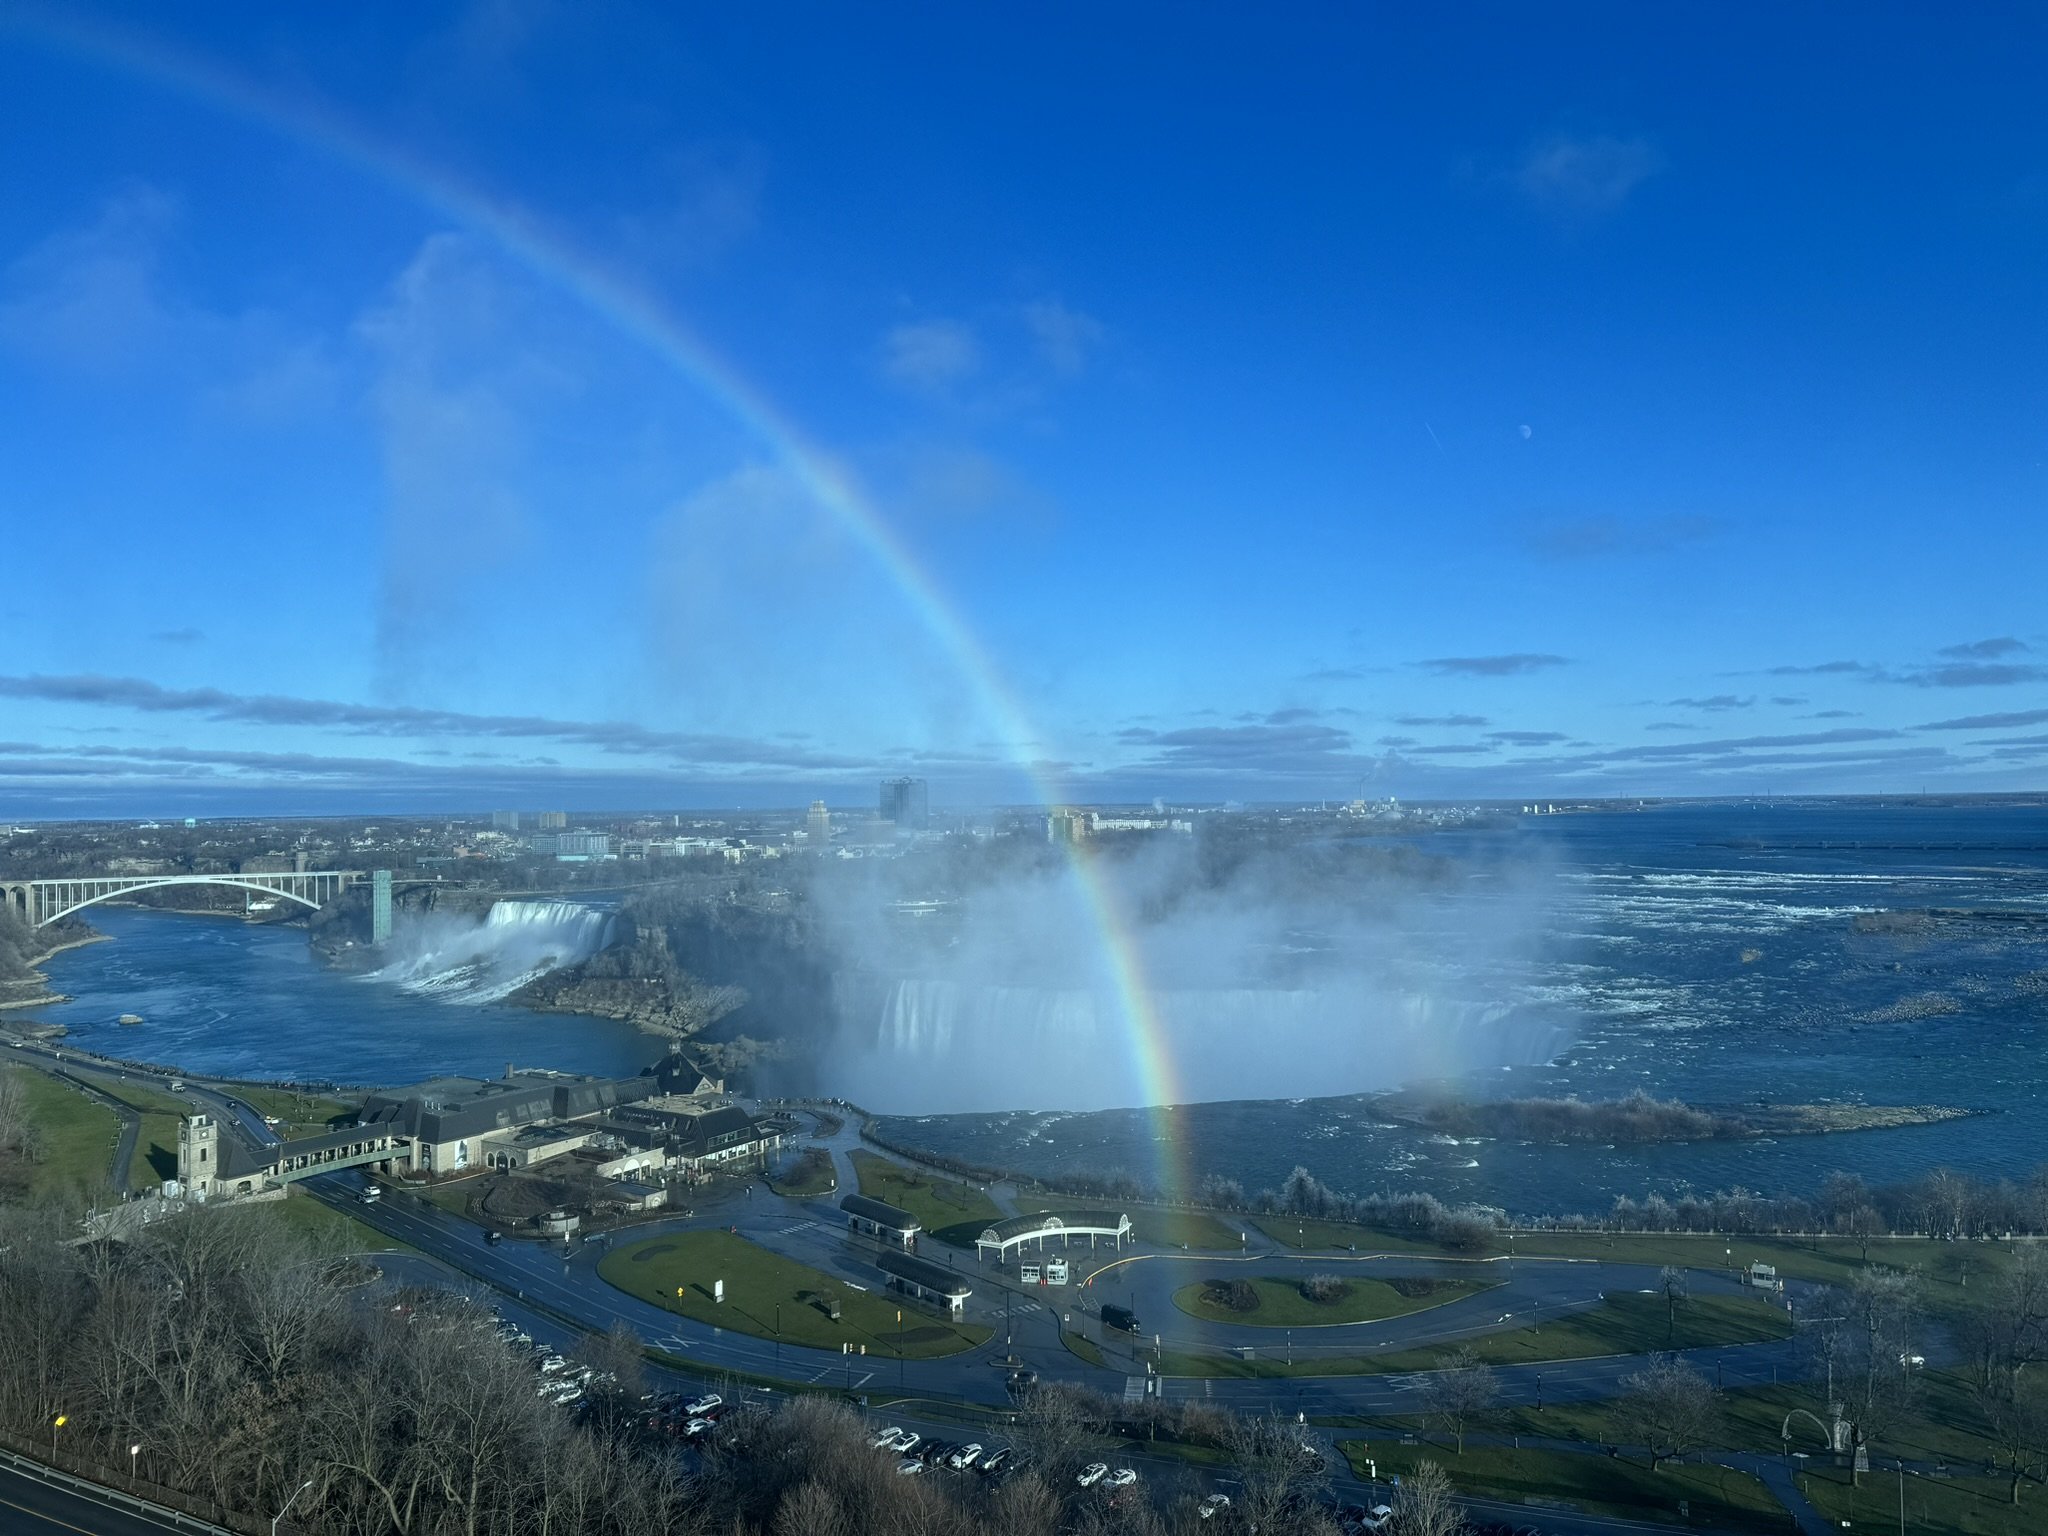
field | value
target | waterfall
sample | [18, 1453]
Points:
[467, 960]
[936, 1046]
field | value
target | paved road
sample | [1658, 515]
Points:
[31, 1506]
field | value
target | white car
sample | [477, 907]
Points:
[909, 1466]
[907, 1441]
[1213, 1506]
[703, 1405]
[1092, 1474]
[697, 1427]
[1122, 1477]
[1379, 1517]
[887, 1438]
[965, 1457]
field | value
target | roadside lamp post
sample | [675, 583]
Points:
[899, 1349]
[134, 1451]
[56, 1424]
[288, 1503]
[778, 1336]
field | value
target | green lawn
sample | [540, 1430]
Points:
[1630, 1324]
[1282, 1305]
[156, 1144]
[1084, 1348]
[1960, 1506]
[331, 1231]
[1953, 1270]
[299, 1114]
[1944, 1426]
[1302, 1232]
[1191, 1229]
[1627, 1324]
[952, 1212]
[1594, 1483]
[677, 1272]
[77, 1135]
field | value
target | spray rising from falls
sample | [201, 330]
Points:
[946, 1047]
[463, 959]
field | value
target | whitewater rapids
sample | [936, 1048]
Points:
[471, 961]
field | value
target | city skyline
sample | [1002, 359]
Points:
[523, 405]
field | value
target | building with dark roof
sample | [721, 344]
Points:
[448, 1118]
[878, 1219]
[928, 1282]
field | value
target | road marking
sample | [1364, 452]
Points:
[798, 1226]
[1134, 1389]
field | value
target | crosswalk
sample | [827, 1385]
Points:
[1134, 1389]
[796, 1226]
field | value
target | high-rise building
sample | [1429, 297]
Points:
[818, 825]
[906, 803]
[552, 821]
[1067, 826]
[505, 821]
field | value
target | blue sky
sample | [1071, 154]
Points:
[1599, 400]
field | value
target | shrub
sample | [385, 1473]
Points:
[1236, 1295]
[1325, 1288]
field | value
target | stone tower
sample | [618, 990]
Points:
[198, 1154]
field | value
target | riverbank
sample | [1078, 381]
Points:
[44, 997]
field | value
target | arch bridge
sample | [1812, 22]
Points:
[40, 902]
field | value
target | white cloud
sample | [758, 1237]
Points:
[1064, 336]
[1586, 174]
[931, 354]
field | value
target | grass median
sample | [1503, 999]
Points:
[953, 1212]
[1278, 1301]
[677, 1273]
[1621, 1325]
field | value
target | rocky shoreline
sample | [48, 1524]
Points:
[43, 997]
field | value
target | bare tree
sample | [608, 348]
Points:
[1673, 1405]
[1671, 1280]
[1862, 1222]
[1882, 1310]
[1425, 1504]
[1277, 1469]
[1461, 1390]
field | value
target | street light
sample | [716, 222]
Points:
[134, 1451]
[56, 1424]
[288, 1503]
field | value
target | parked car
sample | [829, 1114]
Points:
[1122, 1477]
[965, 1457]
[701, 1405]
[995, 1460]
[909, 1466]
[1213, 1506]
[1092, 1474]
[886, 1438]
[906, 1442]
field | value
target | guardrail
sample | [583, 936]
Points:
[164, 1508]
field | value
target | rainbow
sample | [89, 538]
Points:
[641, 318]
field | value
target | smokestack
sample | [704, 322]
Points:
[508, 1071]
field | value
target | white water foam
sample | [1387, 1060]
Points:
[470, 961]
